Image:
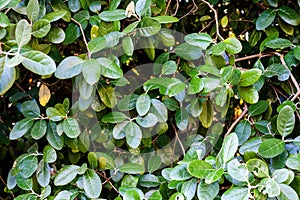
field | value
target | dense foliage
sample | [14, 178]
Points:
[149, 99]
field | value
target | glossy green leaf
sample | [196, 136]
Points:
[159, 110]
[284, 175]
[233, 45]
[64, 194]
[214, 176]
[71, 127]
[249, 94]
[278, 70]
[113, 15]
[207, 191]
[265, 19]
[236, 193]
[33, 10]
[92, 184]
[66, 175]
[148, 27]
[30, 109]
[182, 118]
[91, 71]
[20, 128]
[169, 67]
[128, 102]
[142, 6]
[11, 180]
[199, 168]
[154, 163]
[7, 76]
[24, 183]
[249, 77]
[293, 162]
[188, 189]
[180, 172]
[243, 131]
[147, 121]
[4, 20]
[53, 138]
[69, 67]
[133, 134]
[258, 167]
[258, 108]
[196, 85]
[279, 43]
[41, 28]
[287, 192]
[114, 117]
[38, 62]
[270, 148]
[143, 104]
[127, 45]
[132, 168]
[289, 15]
[56, 15]
[228, 150]
[56, 35]
[238, 171]
[202, 40]
[188, 51]
[49, 154]
[286, 121]
[23, 33]
[109, 68]
[43, 174]
[26, 166]
[219, 49]
[166, 19]
[59, 5]
[149, 180]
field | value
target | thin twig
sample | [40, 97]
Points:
[84, 38]
[178, 139]
[291, 75]
[194, 9]
[237, 120]
[107, 180]
[260, 55]
[167, 8]
[6, 185]
[216, 19]
[177, 6]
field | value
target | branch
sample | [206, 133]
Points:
[216, 19]
[84, 38]
[260, 55]
[237, 120]
[291, 75]
[178, 139]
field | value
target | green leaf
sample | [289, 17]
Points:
[108, 97]
[270, 148]
[207, 191]
[188, 189]
[196, 85]
[91, 71]
[236, 193]
[132, 194]
[154, 163]
[56, 35]
[169, 67]
[159, 110]
[30, 109]
[238, 171]
[33, 9]
[279, 43]
[113, 15]
[149, 180]
[41, 28]
[293, 162]
[285, 176]
[49, 154]
[69, 67]
[26, 166]
[256, 109]
[147, 121]
[4, 20]
[66, 175]
[219, 49]
[287, 192]
[109, 68]
[23, 183]
[199, 168]
[297, 52]
[155, 196]
[265, 19]
[127, 45]
[143, 104]
[289, 15]
[207, 114]
[43, 174]
[166, 19]
[233, 45]
[214, 176]
[180, 172]
[128, 102]
[20, 128]
[188, 51]
[97, 44]
[11, 180]
[56, 15]
[53, 138]
[133, 134]
[92, 184]
[142, 6]
[249, 94]
[59, 5]
[258, 167]
[54, 114]
[38, 62]
[114, 117]
[63, 195]
[272, 188]
[202, 40]
[7, 76]
[286, 121]
[249, 77]
[71, 127]
[23, 33]
[132, 168]
[182, 118]
[148, 27]
[243, 131]
[228, 150]
[278, 70]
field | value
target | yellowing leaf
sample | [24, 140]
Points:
[94, 31]
[44, 95]
[224, 21]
